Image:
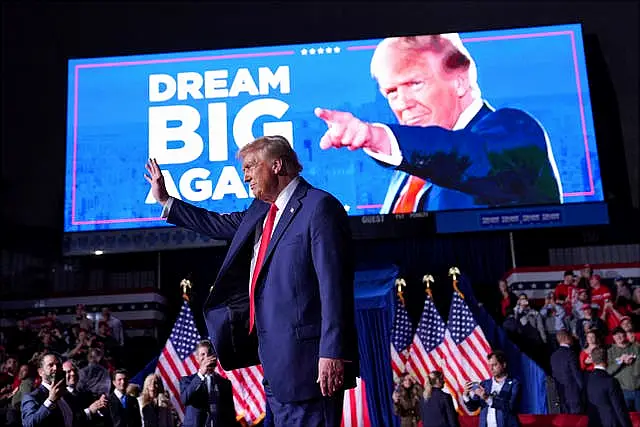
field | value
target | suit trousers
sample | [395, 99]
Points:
[320, 412]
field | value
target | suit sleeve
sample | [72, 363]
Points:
[450, 411]
[576, 373]
[332, 260]
[503, 159]
[619, 407]
[136, 413]
[188, 387]
[211, 224]
[510, 404]
[33, 413]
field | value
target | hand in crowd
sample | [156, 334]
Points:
[101, 403]
[57, 390]
[208, 365]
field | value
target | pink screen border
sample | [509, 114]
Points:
[571, 34]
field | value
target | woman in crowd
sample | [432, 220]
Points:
[155, 406]
[436, 406]
[406, 401]
[508, 299]
[585, 355]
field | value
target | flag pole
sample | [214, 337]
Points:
[455, 272]
[427, 279]
[512, 248]
[401, 284]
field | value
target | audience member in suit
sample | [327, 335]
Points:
[567, 375]
[605, 402]
[206, 396]
[498, 398]
[436, 407]
[155, 405]
[48, 405]
[83, 401]
[123, 409]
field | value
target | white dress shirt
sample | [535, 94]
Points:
[67, 412]
[496, 387]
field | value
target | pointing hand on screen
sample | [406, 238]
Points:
[155, 178]
[346, 130]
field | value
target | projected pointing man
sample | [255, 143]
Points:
[451, 150]
[285, 289]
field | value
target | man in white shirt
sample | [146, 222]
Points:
[114, 324]
[451, 150]
[81, 401]
[497, 398]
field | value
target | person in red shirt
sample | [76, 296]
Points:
[586, 364]
[600, 294]
[508, 300]
[565, 292]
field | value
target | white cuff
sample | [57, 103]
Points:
[87, 412]
[201, 376]
[466, 398]
[167, 208]
[49, 404]
[396, 155]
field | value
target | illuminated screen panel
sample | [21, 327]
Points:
[497, 119]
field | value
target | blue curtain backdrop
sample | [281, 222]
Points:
[532, 377]
[149, 369]
[374, 315]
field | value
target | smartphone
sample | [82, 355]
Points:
[60, 375]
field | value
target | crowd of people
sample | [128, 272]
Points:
[583, 334]
[77, 369]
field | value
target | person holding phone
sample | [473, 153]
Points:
[47, 406]
[206, 396]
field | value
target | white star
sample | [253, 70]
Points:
[336, 49]
[312, 51]
[320, 51]
[328, 50]
[303, 51]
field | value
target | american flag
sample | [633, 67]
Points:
[401, 335]
[468, 346]
[178, 359]
[355, 412]
[429, 351]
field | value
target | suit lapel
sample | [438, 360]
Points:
[290, 211]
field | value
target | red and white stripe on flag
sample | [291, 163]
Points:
[355, 412]
[248, 392]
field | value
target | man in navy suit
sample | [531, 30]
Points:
[498, 398]
[451, 149]
[50, 405]
[605, 401]
[206, 396]
[285, 289]
[567, 375]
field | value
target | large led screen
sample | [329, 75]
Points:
[448, 122]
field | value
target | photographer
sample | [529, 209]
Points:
[406, 401]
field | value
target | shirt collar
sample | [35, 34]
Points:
[285, 195]
[468, 114]
[118, 394]
[602, 368]
[565, 345]
[71, 389]
[47, 386]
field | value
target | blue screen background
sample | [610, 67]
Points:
[535, 74]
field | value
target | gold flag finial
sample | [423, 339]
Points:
[401, 284]
[427, 279]
[186, 285]
[455, 272]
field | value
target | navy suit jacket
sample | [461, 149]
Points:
[605, 401]
[501, 158]
[124, 417]
[195, 398]
[438, 410]
[35, 414]
[506, 404]
[304, 297]
[568, 378]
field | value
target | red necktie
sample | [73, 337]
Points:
[407, 200]
[264, 244]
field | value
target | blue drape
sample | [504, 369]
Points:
[531, 376]
[374, 315]
[147, 370]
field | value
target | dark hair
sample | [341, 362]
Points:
[563, 335]
[121, 372]
[74, 366]
[568, 273]
[499, 356]
[618, 330]
[598, 356]
[42, 357]
[207, 344]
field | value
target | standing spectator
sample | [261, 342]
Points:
[565, 291]
[605, 401]
[498, 397]
[155, 407]
[600, 294]
[588, 322]
[436, 406]
[627, 325]
[553, 315]
[114, 323]
[625, 367]
[531, 321]
[585, 279]
[82, 318]
[94, 377]
[406, 401]
[508, 299]
[124, 410]
[567, 375]
[593, 341]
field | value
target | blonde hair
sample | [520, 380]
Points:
[272, 148]
[454, 55]
[161, 399]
